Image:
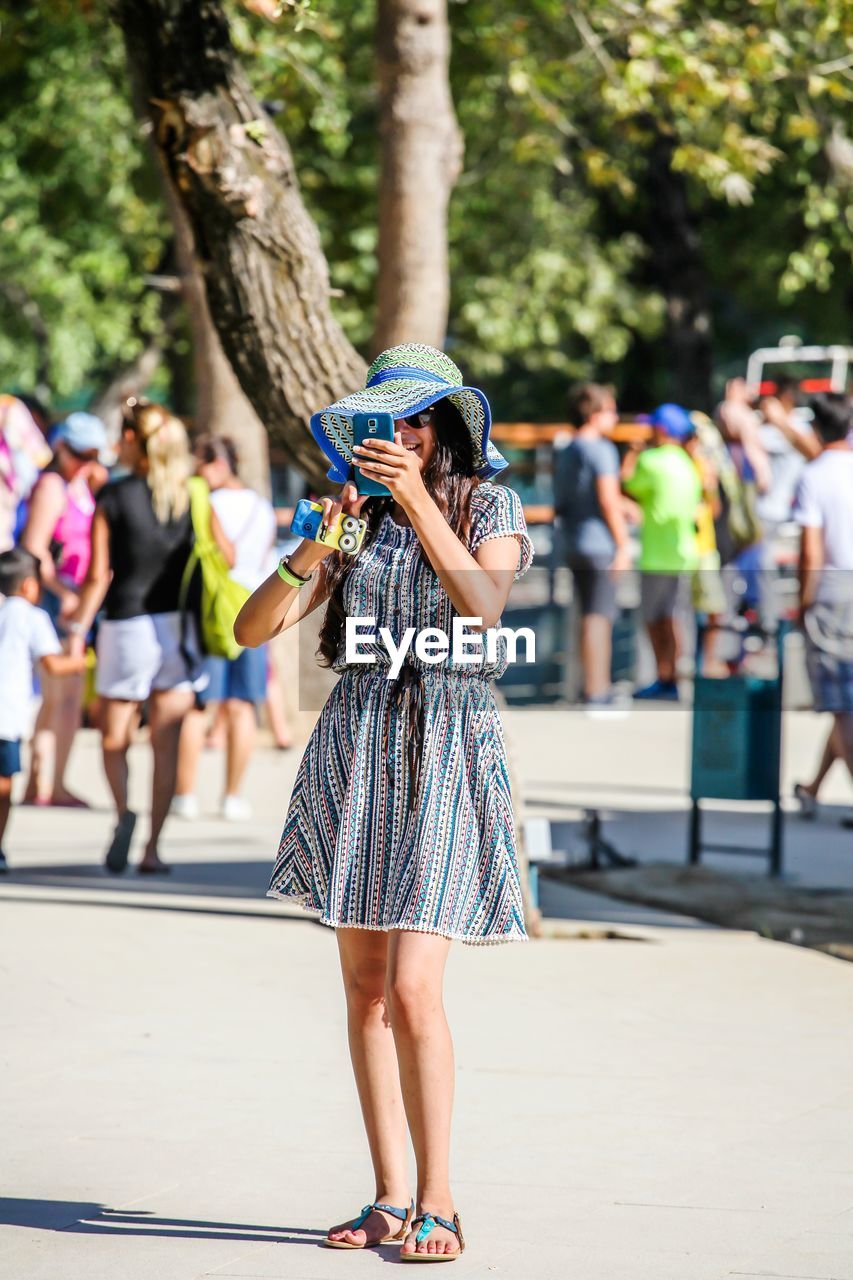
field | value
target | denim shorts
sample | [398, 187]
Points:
[10, 757]
[243, 678]
[829, 656]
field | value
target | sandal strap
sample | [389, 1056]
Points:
[402, 1214]
[431, 1220]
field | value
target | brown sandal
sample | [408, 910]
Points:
[431, 1220]
[405, 1216]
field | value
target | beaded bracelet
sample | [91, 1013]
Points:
[289, 576]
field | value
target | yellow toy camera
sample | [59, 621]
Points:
[346, 534]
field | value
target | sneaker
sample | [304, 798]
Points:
[605, 706]
[185, 807]
[659, 691]
[4, 866]
[234, 809]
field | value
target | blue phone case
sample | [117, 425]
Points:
[371, 426]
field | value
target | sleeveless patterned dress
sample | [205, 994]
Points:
[400, 815]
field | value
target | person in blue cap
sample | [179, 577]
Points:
[58, 533]
[665, 484]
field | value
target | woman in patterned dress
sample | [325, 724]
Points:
[400, 827]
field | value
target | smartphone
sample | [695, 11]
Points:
[371, 426]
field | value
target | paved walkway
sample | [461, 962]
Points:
[636, 771]
[674, 1103]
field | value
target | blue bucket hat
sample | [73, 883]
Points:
[401, 381]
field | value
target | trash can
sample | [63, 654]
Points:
[737, 748]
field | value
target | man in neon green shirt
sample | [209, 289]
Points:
[665, 484]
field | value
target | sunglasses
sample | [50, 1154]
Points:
[419, 420]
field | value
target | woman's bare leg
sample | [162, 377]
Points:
[364, 956]
[416, 963]
[118, 719]
[276, 713]
[189, 751]
[168, 707]
[242, 731]
[69, 714]
[43, 754]
[217, 733]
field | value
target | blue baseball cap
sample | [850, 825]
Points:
[672, 419]
[82, 432]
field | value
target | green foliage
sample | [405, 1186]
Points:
[756, 98]
[533, 290]
[558, 104]
[79, 212]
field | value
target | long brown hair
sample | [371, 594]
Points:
[449, 477]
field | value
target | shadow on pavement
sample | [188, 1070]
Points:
[233, 878]
[96, 1219]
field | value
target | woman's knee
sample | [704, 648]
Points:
[364, 983]
[413, 997]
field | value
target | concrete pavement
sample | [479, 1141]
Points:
[176, 1100]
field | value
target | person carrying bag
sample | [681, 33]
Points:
[219, 597]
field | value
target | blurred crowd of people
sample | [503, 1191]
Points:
[95, 537]
[710, 497]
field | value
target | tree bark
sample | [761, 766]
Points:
[266, 277]
[679, 271]
[221, 408]
[421, 158]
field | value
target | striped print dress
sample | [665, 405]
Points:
[401, 815]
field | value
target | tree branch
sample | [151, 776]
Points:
[266, 277]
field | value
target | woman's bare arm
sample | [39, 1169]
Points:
[277, 606]
[478, 584]
[98, 576]
[46, 507]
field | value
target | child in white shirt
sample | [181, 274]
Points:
[27, 637]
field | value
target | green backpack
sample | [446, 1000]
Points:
[221, 597]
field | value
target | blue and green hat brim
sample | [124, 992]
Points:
[332, 427]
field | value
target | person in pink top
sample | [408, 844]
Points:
[58, 532]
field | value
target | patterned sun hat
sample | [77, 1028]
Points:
[401, 381]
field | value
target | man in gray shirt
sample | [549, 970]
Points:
[588, 503]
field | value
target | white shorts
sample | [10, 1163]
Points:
[136, 655]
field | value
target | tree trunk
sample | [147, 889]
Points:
[421, 157]
[265, 273]
[679, 271]
[221, 408]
